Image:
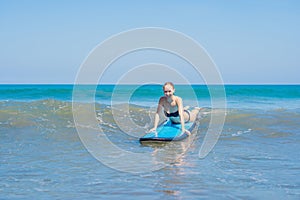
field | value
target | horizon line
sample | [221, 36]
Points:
[148, 84]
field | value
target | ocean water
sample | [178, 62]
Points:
[256, 157]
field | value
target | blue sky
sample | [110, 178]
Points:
[251, 42]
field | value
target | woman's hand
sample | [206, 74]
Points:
[152, 130]
[186, 131]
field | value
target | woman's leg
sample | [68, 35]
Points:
[190, 116]
[194, 113]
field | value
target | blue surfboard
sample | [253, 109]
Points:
[167, 132]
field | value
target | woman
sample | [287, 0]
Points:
[173, 109]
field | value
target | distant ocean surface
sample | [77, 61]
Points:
[256, 157]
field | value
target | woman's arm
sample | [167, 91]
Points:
[156, 117]
[181, 114]
[156, 120]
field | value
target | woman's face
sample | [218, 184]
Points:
[168, 90]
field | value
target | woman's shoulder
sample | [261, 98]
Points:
[162, 99]
[177, 98]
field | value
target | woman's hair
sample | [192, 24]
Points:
[168, 83]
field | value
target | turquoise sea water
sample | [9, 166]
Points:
[256, 156]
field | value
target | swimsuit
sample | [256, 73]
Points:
[176, 114]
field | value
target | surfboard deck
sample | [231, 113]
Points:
[167, 132]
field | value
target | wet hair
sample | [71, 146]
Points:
[169, 83]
